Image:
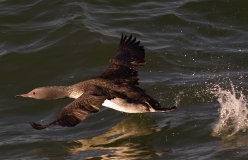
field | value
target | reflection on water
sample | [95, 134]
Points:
[235, 141]
[116, 141]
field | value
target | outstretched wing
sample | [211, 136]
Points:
[123, 67]
[75, 112]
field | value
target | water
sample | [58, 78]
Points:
[233, 112]
[196, 53]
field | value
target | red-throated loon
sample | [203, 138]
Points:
[116, 88]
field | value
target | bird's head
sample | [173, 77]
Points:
[47, 93]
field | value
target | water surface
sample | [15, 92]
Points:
[191, 48]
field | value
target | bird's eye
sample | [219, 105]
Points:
[33, 93]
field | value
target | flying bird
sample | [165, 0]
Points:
[116, 88]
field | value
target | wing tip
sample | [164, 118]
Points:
[130, 43]
[38, 126]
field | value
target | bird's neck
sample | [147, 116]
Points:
[59, 92]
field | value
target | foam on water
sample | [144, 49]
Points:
[232, 113]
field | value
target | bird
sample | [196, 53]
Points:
[117, 88]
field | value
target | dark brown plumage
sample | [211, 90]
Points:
[118, 84]
[124, 65]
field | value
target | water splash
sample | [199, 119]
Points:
[232, 113]
[177, 99]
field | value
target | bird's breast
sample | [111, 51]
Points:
[75, 94]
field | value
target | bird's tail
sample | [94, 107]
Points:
[166, 109]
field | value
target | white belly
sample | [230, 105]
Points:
[121, 105]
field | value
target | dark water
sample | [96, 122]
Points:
[196, 53]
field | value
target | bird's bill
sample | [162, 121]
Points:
[22, 95]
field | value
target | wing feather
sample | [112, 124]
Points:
[75, 112]
[124, 65]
